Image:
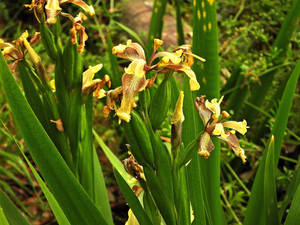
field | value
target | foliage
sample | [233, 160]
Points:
[169, 125]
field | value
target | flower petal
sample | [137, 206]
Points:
[214, 107]
[205, 145]
[168, 58]
[204, 112]
[88, 8]
[131, 51]
[219, 131]
[131, 85]
[136, 68]
[233, 142]
[52, 10]
[194, 85]
[131, 219]
[88, 75]
[240, 127]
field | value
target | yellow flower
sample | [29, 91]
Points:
[52, 10]
[180, 60]
[89, 85]
[130, 51]
[87, 8]
[210, 112]
[240, 127]
[214, 107]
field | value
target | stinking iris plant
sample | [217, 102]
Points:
[156, 171]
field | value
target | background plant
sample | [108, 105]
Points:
[236, 90]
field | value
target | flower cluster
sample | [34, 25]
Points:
[52, 9]
[134, 78]
[212, 117]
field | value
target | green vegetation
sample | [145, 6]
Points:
[99, 118]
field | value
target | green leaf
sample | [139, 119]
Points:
[116, 163]
[291, 190]
[160, 104]
[270, 200]
[186, 154]
[141, 145]
[48, 41]
[254, 214]
[190, 130]
[132, 200]
[156, 24]
[54, 170]
[206, 197]
[6, 187]
[56, 209]
[31, 93]
[116, 74]
[283, 111]
[162, 164]
[130, 31]
[163, 203]
[3, 220]
[11, 212]
[90, 172]
[294, 216]
[180, 33]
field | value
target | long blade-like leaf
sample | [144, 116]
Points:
[116, 163]
[156, 24]
[3, 220]
[11, 212]
[70, 195]
[254, 214]
[132, 200]
[270, 200]
[294, 216]
[205, 44]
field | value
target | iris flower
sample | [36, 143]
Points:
[94, 85]
[53, 9]
[212, 117]
[134, 79]
[16, 51]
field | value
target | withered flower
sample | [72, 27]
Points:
[11, 53]
[133, 168]
[77, 28]
[212, 117]
[16, 51]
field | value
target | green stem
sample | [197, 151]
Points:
[230, 208]
[238, 179]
